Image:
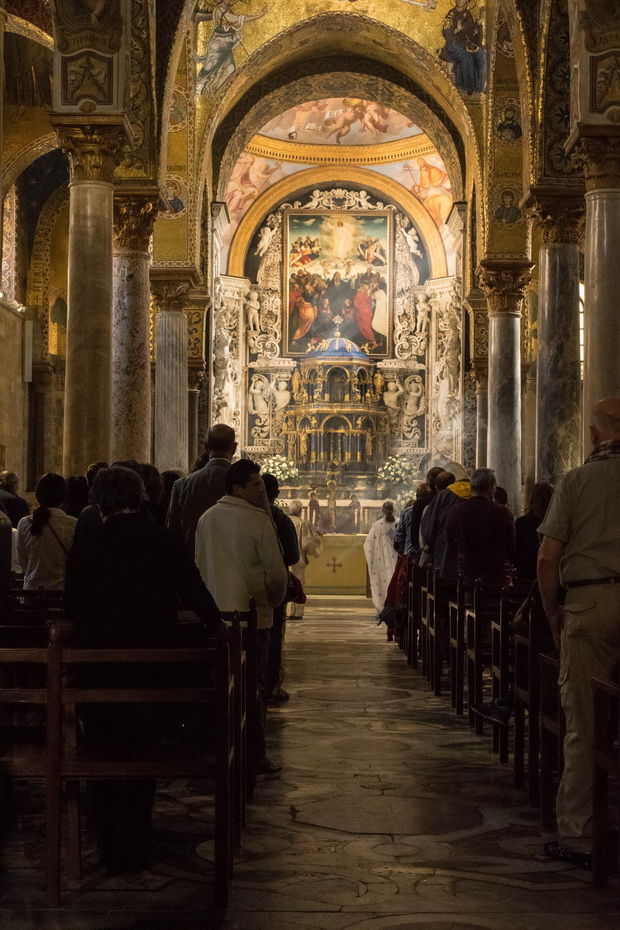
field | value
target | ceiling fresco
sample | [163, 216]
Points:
[415, 165]
[336, 119]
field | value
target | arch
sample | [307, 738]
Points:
[323, 44]
[315, 177]
[346, 83]
[24, 157]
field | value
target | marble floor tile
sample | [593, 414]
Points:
[390, 814]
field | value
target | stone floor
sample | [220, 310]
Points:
[390, 814]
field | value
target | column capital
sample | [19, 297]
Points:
[503, 282]
[560, 213]
[479, 374]
[195, 376]
[170, 294]
[94, 149]
[598, 155]
[134, 218]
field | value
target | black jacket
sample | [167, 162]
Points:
[124, 584]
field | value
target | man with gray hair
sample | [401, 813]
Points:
[481, 534]
[580, 553]
[193, 495]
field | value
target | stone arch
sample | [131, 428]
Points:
[347, 83]
[24, 157]
[317, 176]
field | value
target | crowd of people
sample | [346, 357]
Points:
[567, 544]
[141, 545]
[214, 539]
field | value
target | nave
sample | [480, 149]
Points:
[390, 814]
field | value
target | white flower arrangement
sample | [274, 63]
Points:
[282, 468]
[397, 470]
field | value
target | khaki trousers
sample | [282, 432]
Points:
[590, 649]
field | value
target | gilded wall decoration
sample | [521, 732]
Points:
[36, 12]
[507, 120]
[28, 73]
[8, 244]
[176, 197]
[605, 83]
[179, 106]
[195, 334]
[505, 209]
[140, 151]
[464, 51]
[503, 40]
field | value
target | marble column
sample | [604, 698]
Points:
[528, 431]
[171, 377]
[93, 151]
[196, 377]
[482, 415]
[558, 404]
[131, 356]
[503, 282]
[600, 158]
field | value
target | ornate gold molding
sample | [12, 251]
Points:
[317, 177]
[599, 156]
[94, 150]
[560, 214]
[383, 153]
[503, 283]
[134, 218]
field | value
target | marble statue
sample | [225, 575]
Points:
[252, 306]
[414, 389]
[265, 236]
[281, 393]
[424, 310]
[259, 395]
[413, 241]
[391, 397]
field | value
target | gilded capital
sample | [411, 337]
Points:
[94, 151]
[561, 218]
[134, 218]
[599, 157]
[195, 377]
[503, 282]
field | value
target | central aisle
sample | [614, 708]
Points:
[390, 814]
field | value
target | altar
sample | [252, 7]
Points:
[341, 567]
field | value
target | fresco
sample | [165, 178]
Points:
[337, 269]
[340, 120]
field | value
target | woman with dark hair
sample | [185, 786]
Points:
[527, 538]
[154, 487]
[77, 495]
[44, 539]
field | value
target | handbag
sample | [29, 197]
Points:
[294, 590]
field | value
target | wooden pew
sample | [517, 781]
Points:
[456, 614]
[606, 696]
[552, 728]
[50, 747]
[426, 589]
[414, 606]
[478, 653]
[502, 654]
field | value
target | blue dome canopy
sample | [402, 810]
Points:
[337, 347]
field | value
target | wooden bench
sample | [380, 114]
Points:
[426, 589]
[456, 619]
[606, 696]
[552, 728]
[478, 652]
[414, 605]
[53, 750]
[502, 655]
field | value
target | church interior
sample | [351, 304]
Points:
[372, 237]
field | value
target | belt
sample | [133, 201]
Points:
[581, 584]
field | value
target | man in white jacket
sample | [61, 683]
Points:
[239, 557]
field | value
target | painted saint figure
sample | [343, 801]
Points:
[463, 48]
[218, 63]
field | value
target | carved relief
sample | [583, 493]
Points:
[601, 24]
[78, 24]
[504, 283]
[604, 82]
[600, 159]
[228, 301]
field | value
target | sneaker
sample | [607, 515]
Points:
[562, 854]
[267, 768]
[493, 712]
